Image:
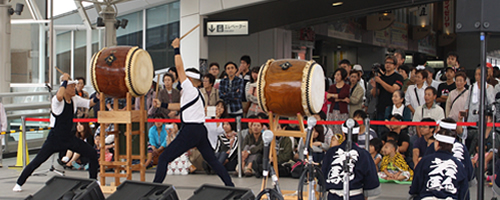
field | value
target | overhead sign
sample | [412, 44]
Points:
[226, 28]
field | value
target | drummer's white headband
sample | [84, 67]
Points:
[193, 75]
[444, 138]
[354, 130]
[447, 125]
[71, 82]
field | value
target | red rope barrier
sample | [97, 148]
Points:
[247, 120]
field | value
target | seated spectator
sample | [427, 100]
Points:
[216, 129]
[375, 147]
[421, 144]
[360, 115]
[328, 132]
[403, 140]
[73, 159]
[167, 95]
[210, 93]
[251, 93]
[488, 142]
[252, 148]
[398, 99]
[356, 92]
[109, 146]
[394, 166]
[157, 141]
[430, 109]
[284, 154]
[226, 149]
[319, 146]
[457, 98]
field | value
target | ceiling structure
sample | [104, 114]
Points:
[301, 13]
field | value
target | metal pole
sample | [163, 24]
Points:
[367, 134]
[5, 52]
[23, 139]
[494, 109]
[350, 124]
[51, 43]
[240, 144]
[109, 17]
[482, 122]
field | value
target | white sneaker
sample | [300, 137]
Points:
[17, 188]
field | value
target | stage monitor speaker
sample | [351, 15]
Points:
[140, 190]
[470, 12]
[62, 188]
[216, 192]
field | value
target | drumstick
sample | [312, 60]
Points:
[189, 32]
[157, 84]
[59, 70]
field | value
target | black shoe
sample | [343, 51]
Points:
[61, 163]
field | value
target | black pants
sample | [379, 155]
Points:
[189, 136]
[53, 144]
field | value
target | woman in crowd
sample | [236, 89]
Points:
[73, 159]
[251, 93]
[210, 93]
[216, 129]
[338, 94]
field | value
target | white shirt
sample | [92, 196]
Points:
[212, 132]
[435, 84]
[411, 97]
[196, 112]
[398, 110]
[436, 113]
[58, 106]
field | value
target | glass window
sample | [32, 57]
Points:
[132, 34]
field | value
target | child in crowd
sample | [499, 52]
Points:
[394, 166]
[375, 147]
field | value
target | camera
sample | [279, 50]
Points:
[376, 67]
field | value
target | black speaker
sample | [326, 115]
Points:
[140, 190]
[478, 16]
[62, 188]
[215, 192]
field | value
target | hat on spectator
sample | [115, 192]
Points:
[358, 67]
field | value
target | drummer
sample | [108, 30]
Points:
[193, 132]
[63, 106]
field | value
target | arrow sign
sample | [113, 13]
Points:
[211, 29]
[226, 28]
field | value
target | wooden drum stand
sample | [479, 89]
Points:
[127, 117]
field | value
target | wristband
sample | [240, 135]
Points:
[164, 105]
[95, 99]
[177, 51]
[64, 84]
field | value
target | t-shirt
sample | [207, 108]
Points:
[421, 145]
[445, 89]
[403, 137]
[385, 96]
[196, 112]
[58, 106]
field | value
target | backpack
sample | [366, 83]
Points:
[297, 169]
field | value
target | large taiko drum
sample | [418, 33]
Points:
[121, 69]
[288, 87]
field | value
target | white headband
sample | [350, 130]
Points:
[444, 138]
[355, 130]
[447, 125]
[420, 67]
[71, 82]
[193, 75]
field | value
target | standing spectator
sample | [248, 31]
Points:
[472, 105]
[3, 127]
[429, 109]
[404, 71]
[457, 97]
[251, 93]
[167, 95]
[338, 94]
[214, 69]
[371, 100]
[345, 64]
[401, 57]
[415, 94]
[361, 81]
[210, 93]
[431, 82]
[451, 61]
[387, 84]
[356, 93]
[231, 90]
[81, 112]
[445, 88]
[175, 80]
[244, 70]
[148, 98]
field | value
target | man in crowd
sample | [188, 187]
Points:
[445, 88]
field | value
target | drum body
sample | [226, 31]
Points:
[288, 87]
[121, 69]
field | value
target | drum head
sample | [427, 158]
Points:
[316, 88]
[139, 72]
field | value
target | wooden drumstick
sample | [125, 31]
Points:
[157, 84]
[59, 70]
[189, 32]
